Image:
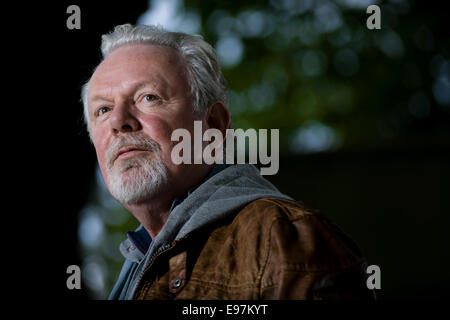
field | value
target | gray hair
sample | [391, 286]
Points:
[204, 75]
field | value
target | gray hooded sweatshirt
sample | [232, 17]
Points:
[226, 190]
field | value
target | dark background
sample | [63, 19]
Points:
[388, 192]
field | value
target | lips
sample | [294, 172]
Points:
[126, 150]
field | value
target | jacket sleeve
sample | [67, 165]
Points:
[308, 257]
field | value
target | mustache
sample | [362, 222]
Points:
[138, 141]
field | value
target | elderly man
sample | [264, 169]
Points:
[208, 231]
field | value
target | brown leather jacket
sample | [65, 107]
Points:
[271, 249]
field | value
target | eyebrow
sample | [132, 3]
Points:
[138, 86]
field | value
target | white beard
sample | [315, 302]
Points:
[136, 179]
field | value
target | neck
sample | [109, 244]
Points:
[152, 214]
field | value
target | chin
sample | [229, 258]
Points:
[137, 184]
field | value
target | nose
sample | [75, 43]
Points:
[122, 120]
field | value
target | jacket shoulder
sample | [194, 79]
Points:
[308, 256]
[275, 208]
[305, 236]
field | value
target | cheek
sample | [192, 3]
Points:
[160, 129]
[157, 129]
[101, 155]
[101, 147]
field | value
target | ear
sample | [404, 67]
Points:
[218, 117]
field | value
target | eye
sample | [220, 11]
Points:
[150, 98]
[101, 111]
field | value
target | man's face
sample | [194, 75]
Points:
[137, 96]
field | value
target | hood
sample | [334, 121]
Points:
[224, 193]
